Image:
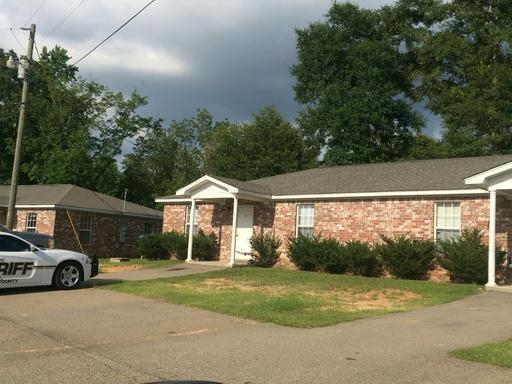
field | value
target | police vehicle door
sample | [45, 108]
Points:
[17, 262]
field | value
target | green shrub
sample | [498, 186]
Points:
[316, 254]
[361, 259]
[302, 252]
[466, 258]
[152, 246]
[265, 247]
[329, 256]
[205, 247]
[407, 258]
[176, 244]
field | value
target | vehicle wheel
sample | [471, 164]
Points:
[68, 275]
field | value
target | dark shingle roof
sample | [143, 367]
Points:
[73, 197]
[419, 175]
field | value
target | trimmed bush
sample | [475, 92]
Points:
[407, 258]
[329, 257]
[302, 251]
[361, 259]
[152, 246]
[176, 244]
[465, 258]
[265, 247]
[205, 247]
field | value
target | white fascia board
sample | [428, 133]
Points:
[481, 178]
[170, 201]
[90, 210]
[203, 180]
[366, 195]
[36, 206]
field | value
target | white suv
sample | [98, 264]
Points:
[22, 264]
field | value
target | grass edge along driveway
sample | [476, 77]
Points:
[295, 298]
[499, 354]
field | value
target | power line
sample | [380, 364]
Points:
[113, 33]
[16, 38]
[35, 13]
[63, 20]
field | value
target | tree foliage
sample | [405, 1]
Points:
[465, 62]
[74, 129]
[356, 84]
[266, 146]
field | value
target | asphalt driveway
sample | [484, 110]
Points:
[97, 336]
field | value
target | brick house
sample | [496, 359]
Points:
[77, 217]
[426, 199]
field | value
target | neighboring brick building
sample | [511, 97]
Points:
[427, 199]
[106, 226]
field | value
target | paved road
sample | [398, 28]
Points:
[97, 336]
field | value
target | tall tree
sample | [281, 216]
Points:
[74, 129]
[165, 159]
[465, 64]
[266, 146]
[356, 84]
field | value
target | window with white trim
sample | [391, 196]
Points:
[31, 222]
[305, 219]
[85, 229]
[447, 220]
[187, 219]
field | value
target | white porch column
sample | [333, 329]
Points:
[191, 220]
[233, 231]
[492, 241]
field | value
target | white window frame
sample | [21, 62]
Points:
[31, 222]
[305, 220]
[85, 230]
[187, 219]
[447, 220]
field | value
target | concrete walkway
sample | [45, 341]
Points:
[156, 273]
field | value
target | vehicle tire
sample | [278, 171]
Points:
[68, 275]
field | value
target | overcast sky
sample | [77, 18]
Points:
[231, 57]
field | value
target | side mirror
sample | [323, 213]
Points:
[33, 248]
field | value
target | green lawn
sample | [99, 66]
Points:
[499, 354]
[105, 265]
[293, 298]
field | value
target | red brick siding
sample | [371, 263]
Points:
[104, 233]
[345, 220]
[45, 221]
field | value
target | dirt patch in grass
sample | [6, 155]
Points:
[121, 268]
[346, 299]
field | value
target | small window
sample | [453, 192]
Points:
[305, 219]
[122, 233]
[31, 222]
[187, 219]
[85, 230]
[448, 221]
[150, 227]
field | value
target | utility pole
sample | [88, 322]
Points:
[21, 122]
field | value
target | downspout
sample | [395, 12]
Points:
[191, 220]
[233, 231]
[491, 273]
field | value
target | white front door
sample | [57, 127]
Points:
[244, 232]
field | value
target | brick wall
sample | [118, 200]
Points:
[45, 220]
[105, 234]
[345, 220]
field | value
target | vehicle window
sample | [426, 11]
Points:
[12, 244]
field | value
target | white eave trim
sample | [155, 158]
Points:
[177, 201]
[365, 195]
[90, 210]
[481, 178]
